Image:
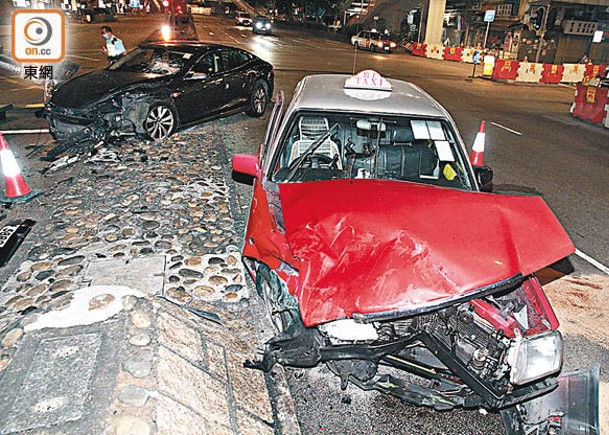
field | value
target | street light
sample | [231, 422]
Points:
[166, 32]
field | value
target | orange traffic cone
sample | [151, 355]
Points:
[17, 190]
[476, 157]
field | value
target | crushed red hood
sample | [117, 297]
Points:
[374, 246]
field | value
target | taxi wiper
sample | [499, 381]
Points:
[295, 165]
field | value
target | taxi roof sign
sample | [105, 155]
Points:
[368, 80]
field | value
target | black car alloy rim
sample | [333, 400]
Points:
[159, 122]
[260, 100]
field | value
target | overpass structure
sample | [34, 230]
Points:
[394, 11]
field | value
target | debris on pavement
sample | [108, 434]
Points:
[88, 305]
[61, 163]
[160, 226]
[207, 315]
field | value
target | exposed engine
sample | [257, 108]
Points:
[455, 349]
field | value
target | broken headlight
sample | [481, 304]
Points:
[535, 357]
[348, 330]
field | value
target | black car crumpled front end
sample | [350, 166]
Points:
[115, 116]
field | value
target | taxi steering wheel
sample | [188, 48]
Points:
[316, 159]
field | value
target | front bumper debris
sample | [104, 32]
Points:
[571, 409]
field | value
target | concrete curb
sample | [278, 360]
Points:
[281, 397]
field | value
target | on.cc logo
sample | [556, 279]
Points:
[38, 35]
[38, 31]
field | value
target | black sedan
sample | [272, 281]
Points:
[158, 88]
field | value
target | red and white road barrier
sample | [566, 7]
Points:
[505, 69]
[435, 51]
[592, 71]
[529, 72]
[513, 70]
[453, 54]
[591, 104]
[551, 74]
[573, 73]
[419, 49]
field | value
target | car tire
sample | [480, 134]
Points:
[356, 45]
[160, 121]
[372, 48]
[258, 99]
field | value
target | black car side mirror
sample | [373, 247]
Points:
[484, 177]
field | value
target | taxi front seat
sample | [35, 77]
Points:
[405, 158]
[311, 128]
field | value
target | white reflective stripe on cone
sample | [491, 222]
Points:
[479, 143]
[10, 167]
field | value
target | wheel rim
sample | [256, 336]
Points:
[259, 101]
[275, 317]
[159, 122]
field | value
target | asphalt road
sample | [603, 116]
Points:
[532, 144]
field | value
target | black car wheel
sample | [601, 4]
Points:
[356, 45]
[372, 48]
[258, 99]
[160, 122]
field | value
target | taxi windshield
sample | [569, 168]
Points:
[324, 146]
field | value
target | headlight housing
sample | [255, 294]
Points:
[535, 357]
[258, 25]
[268, 26]
[348, 330]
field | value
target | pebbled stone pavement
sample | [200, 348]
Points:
[98, 324]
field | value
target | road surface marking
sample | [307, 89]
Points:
[231, 37]
[77, 56]
[32, 131]
[600, 266]
[23, 89]
[506, 128]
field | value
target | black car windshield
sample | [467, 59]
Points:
[324, 146]
[159, 61]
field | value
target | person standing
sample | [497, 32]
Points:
[114, 48]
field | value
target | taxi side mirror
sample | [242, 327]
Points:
[484, 177]
[247, 164]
